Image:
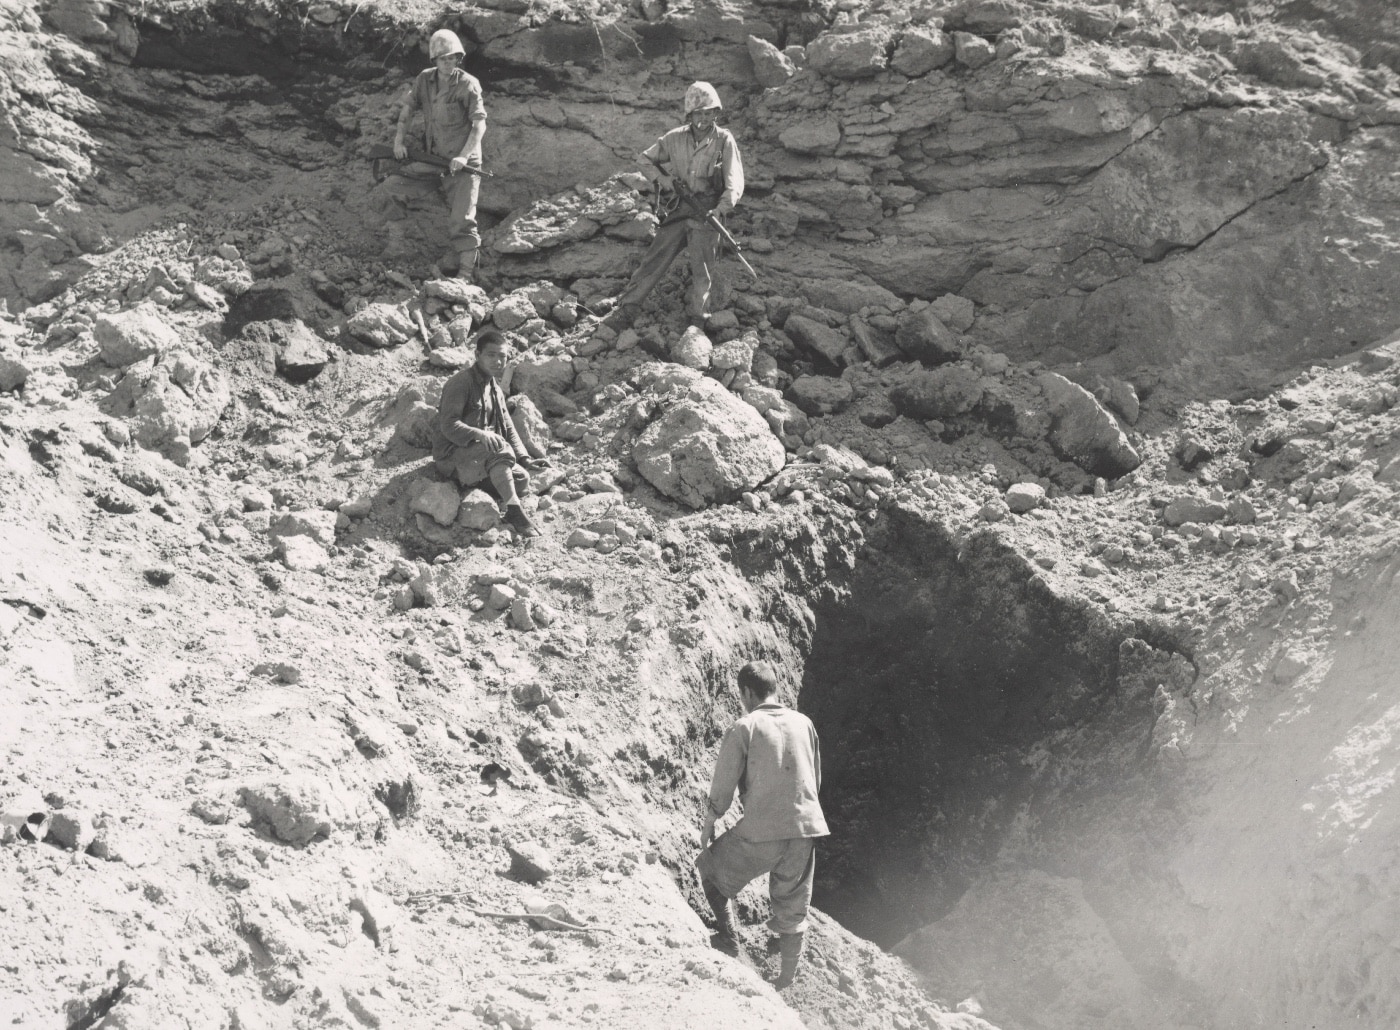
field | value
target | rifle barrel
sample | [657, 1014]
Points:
[687, 197]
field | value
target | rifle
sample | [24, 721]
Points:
[384, 152]
[687, 199]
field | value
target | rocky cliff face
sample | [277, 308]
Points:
[1133, 188]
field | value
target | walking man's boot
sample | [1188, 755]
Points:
[789, 952]
[725, 926]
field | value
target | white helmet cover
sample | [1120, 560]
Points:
[444, 43]
[701, 96]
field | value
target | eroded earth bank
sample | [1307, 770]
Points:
[1053, 456]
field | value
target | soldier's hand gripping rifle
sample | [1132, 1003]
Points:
[690, 203]
[383, 152]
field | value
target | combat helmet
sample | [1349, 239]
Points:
[444, 43]
[701, 96]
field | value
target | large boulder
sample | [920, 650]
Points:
[771, 67]
[692, 349]
[1083, 432]
[923, 336]
[813, 335]
[921, 49]
[438, 500]
[127, 337]
[708, 446]
[459, 291]
[851, 55]
[876, 345]
[316, 523]
[171, 404]
[821, 395]
[13, 374]
[938, 393]
[381, 325]
[539, 375]
[513, 310]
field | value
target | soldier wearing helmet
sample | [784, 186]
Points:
[454, 120]
[705, 158]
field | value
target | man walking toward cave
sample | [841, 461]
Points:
[704, 158]
[454, 121]
[772, 757]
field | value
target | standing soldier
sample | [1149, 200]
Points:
[772, 757]
[454, 120]
[704, 158]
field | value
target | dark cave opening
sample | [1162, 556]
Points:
[953, 691]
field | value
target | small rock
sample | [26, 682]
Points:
[520, 616]
[771, 67]
[821, 395]
[129, 336]
[215, 813]
[478, 511]
[1286, 585]
[530, 862]
[993, 511]
[13, 374]
[501, 597]
[159, 575]
[292, 810]
[582, 538]
[1183, 510]
[693, 349]
[437, 500]
[973, 51]
[282, 672]
[70, 830]
[1241, 510]
[301, 554]
[1024, 497]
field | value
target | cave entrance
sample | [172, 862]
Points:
[955, 693]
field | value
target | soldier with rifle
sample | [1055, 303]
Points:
[454, 120]
[699, 164]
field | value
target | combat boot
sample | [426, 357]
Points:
[726, 929]
[466, 265]
[789, 952]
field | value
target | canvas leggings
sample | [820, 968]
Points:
[701, 245]
[460, 192]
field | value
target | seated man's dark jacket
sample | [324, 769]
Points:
[472, 405]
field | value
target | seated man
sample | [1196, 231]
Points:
[474, 437]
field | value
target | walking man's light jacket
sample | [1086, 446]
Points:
[772, 757]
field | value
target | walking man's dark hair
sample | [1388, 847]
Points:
[759, 679]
